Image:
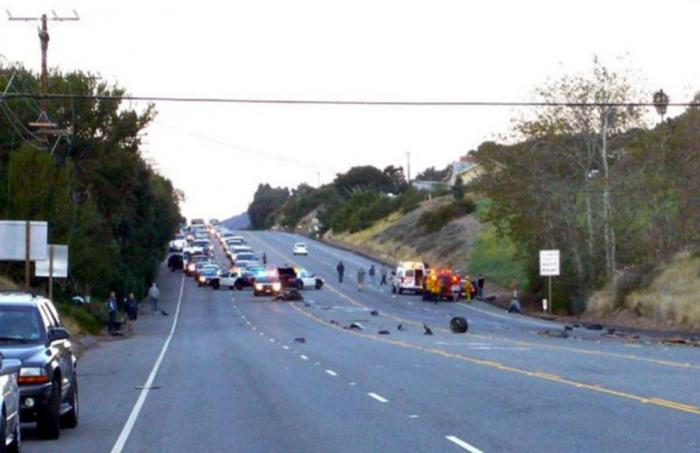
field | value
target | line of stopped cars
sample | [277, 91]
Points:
[193, 252]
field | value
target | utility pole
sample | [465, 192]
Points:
[43, 120]
[318, 178]
[408, 167]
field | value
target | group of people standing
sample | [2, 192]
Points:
[474, 288]
[130, 307]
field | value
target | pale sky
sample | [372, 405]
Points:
[352, 50]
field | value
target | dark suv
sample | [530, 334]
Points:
[31, 331]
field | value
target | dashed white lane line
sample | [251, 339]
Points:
[272, 340]
[331, 372]
[285, 347]
[262, 334]
[254, 328]
[303, 357]
[459, 442]
[352, 383]
[379, 398]
[247, 323]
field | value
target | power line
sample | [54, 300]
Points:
[224, 100]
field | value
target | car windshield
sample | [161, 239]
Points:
[20, 325]
[245, 257]
[209, 271]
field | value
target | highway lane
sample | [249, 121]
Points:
[235, 379]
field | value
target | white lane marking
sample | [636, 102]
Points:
[352, 383]
[254, 328]
[272, 340]
[133, 416]
[379, 398]
[247, 323]
[317, 363]
[413, 416]
[285, 347]
[304, 357]
[262, 334]
[459, 442]
[331, 372]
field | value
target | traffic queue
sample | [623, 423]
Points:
[192, 251]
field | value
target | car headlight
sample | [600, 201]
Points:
[258, 286]
[33, 375]
[202, 279]
[277, 286]
[190, 267]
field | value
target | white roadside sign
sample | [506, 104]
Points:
[13, 234]
[60, 263]
[549, 263]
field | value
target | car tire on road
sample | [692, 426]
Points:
[319, 284]
[299, 285]
[48, 421]
[238, 286]
[70, 418]
[215, 285]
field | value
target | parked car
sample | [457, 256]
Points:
[31, 331]
[300, 249]
[287, 276]
[10, 421]
[209, 276]
[176, 262]
[267, 285]
[237, 279]
[306, 280]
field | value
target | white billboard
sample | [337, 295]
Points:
[60, 263]
[13, 240]
[549, 263]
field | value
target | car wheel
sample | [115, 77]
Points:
[393, 289]
[238, 286]
[231, 287]
[319, 284]
[70, 418]
[48, 415]
[215, 285]
[300, 285]
[400, 290]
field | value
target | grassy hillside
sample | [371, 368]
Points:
[466, 244]
[668, 296]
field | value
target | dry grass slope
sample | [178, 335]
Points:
[672, 299]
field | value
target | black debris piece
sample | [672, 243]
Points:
[300, 340]
[333, 321]
[568, 327]
[594, 326]
[428, 330]
[356, 326]
[383, 332]
[401, 327]
[554, 333]
[374, 313]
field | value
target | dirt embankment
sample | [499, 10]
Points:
[397, 238]
[669, 298]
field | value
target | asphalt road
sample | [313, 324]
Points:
[233, 378]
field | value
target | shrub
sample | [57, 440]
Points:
[90, 318]
[434, 220]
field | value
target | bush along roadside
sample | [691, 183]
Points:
[434, 220]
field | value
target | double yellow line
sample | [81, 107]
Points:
[687, 408]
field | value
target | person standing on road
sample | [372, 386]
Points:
[360, 278]
[372, 273]
[264, 258]
[480, 282]
[383, 273]
[153, 295]
[341, 271]
[112, 310]
[131, 312]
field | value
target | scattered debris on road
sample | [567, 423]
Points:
[383, 332]
[374, 313]
[554, 333]
[401, 327]
[428, 330]
[300, 340]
